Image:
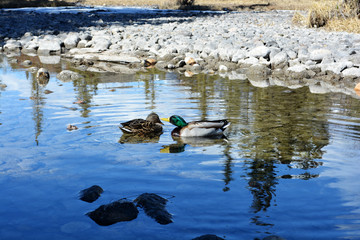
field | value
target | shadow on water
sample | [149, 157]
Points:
[63, 20]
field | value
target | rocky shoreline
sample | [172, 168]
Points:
[263, 47]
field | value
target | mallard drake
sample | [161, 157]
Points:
[151, 126]
[204, 128]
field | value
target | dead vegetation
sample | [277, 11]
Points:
[332, 15]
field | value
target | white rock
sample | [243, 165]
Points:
[320, 54]
[279, 59]
[12, 45]
[351, 72]
[47, 47]
[67, 75]
[223, 68]
[250, 61]
[260, 51]
[297, 68]
[71, 41]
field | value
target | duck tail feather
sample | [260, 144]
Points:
[125, 130]
[226, 124]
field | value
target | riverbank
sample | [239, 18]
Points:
[263, 47]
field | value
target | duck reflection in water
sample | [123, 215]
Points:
[142, 130]
[181, 142]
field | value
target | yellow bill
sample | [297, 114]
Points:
[165, 119]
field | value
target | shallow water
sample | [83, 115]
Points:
[289, 166]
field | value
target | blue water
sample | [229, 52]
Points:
[289, 166]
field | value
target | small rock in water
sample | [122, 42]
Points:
[91, 194]
[67, 75]
[114, 212]
[154, 207]
[208, 237]
[150, 62]
[42, 76]
[48, 91]
[72, 127]
[273, 237]
[79, 102]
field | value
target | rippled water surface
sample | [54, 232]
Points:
[289, 166]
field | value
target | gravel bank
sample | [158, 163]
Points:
[263, 47]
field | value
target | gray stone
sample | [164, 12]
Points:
[67, 75]
[30, 47]
[47, 47]
[319, 54]
[355, 72]
[12, 46]
[260, 51]
[248, 61]
[337, 67]
[259, 70]
[280, 60]
[71, 41]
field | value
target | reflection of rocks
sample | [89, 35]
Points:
[114, 212]
[91, 194]
[154, 207]
[131, 138]
[208, 237]
[49, 59]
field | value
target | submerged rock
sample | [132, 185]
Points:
[91, 194]
[43, 76]
[154, 207]
[273, 237]
[118, 211]
[208, 237]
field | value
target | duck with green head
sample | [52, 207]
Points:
[203, 128]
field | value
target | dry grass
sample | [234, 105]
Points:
[332, 15]
[346, 25]
[211, 4]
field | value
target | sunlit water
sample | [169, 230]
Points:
[289, 167]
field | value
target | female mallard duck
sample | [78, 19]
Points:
[150, 126]
[204, 128]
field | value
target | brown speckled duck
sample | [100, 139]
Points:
[150, 126]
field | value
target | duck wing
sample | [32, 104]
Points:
[218, 124]
[141, 126]
[135, 123]
[204, 128]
